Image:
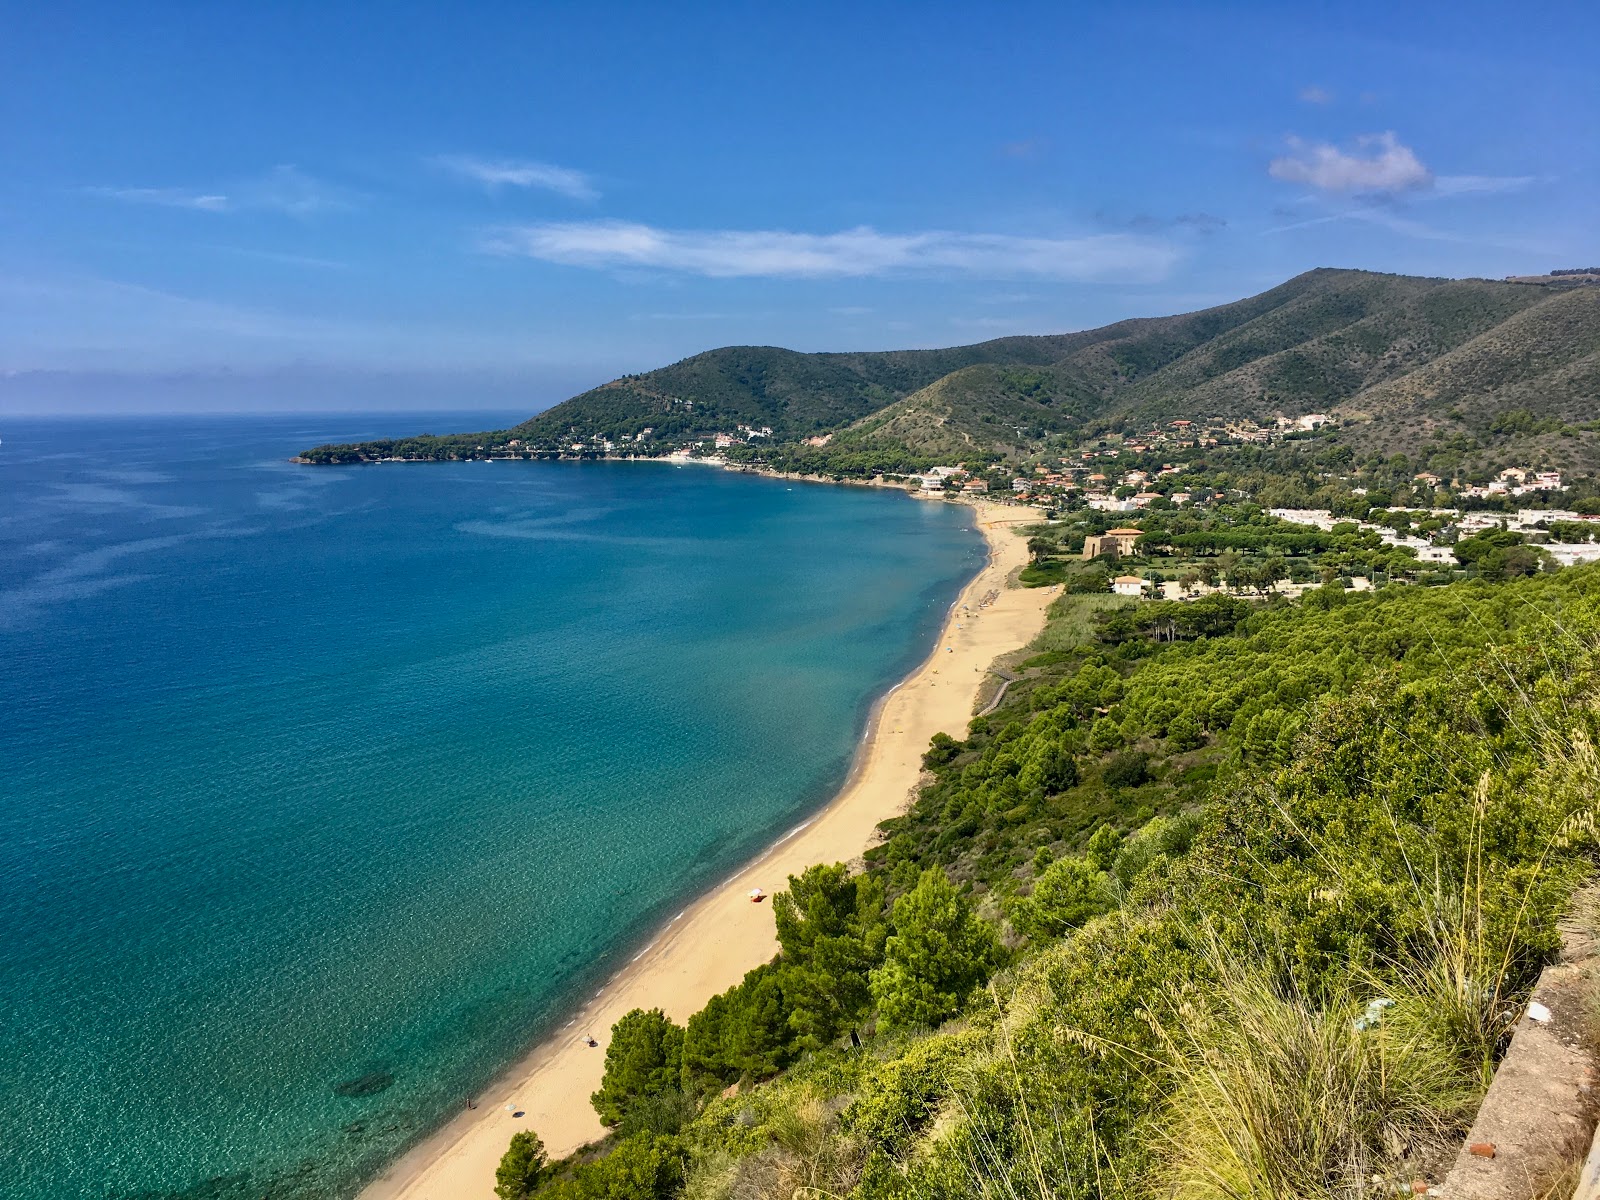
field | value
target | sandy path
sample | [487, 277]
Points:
[709, 947]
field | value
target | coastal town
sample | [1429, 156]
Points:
[1408, 528]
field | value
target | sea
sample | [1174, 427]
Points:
[326, 791]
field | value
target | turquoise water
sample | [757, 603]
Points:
[318, 775]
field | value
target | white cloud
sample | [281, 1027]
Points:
[732, 253]
[165, 197]
[1461, 185]
[1380, 163]
[284, 189]
[494, 173]
[1316, 95]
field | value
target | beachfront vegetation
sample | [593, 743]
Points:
[1227, 899]
[522, 1167]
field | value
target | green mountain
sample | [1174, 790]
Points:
[795, 395]
[1398, 358]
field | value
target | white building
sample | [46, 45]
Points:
[1128, 585]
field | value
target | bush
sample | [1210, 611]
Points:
[1183, 733]
[638, 1168]
[1127, 770]
[1071, 892]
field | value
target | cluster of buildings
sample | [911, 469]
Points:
[1098, 488]
[1528, 521]
[939, 479]
[744, 434]
[1513, 481]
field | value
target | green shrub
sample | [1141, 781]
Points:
[522, 1167]
[644, 1060]
[1128, 770]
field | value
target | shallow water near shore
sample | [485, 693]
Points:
[328, 789]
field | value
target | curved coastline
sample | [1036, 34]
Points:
[710, 944]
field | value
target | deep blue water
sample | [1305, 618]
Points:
[311, 774]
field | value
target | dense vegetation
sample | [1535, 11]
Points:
[1401, 359]
[1227, 899]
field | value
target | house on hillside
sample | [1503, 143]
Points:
[1128, 585]
[1107, 503]
[1118, 541]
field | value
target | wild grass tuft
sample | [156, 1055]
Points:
[1275, 1097]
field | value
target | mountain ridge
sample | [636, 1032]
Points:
[1394, 356]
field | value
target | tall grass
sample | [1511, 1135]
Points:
[1071, 620]
[1272, 1094]
[1275, 1097]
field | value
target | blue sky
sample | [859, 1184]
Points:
[356, 204]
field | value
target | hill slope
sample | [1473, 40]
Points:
[1401, 357]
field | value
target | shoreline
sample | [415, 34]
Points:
[709, 945]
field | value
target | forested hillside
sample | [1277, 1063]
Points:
[1399, 358]
[1228, 899]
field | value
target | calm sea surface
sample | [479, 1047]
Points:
[324, 790]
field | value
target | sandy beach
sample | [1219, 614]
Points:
[709, 946]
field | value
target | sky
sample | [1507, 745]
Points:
[343, 205]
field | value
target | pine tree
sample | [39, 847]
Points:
[938, 954]
[644, 1059]
[521, 1167]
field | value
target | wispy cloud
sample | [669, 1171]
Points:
[1378, 163]
[1143, 222]
[1312, 94]
[732, 253]
[164, 197]
[1461, 185]
[1385, 217]
[521, 173]
[285, 189]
